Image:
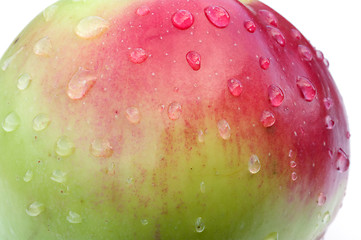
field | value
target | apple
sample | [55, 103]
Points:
[168, 120]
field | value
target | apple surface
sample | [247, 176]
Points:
[187, 119]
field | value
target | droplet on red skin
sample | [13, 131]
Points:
[174, 111]
[267, 119]
[218, 16]
[348, 135]
[319, 55]
[328, 102]
[138, 56]
[182, 19]
[250, 26]
[306, 87]
[80, 83]
[275, 95]
[143, 10]
[296, 34]
[342, 161]
[330, 124]
[305, 53]
[235, 87]
[277, 35]
[268, 17]
[264, 62]
[194, 60]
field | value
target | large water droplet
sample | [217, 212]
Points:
[174, 111]
[35, 209]
[254, 165]
[224, 129]
[321, 200]
[203, 187]
[272, 236]
[194, 60]
[7, 62]
[143, 10]
[296, 34]
[305, 53]
[267, 119]
[40, 122]
[200, 225]
[28, 176]
[64, 146]
[80, 83]
[101, 148]
[342, 161]
[277, 35]
[235, 87]
[264, 62]
[49, 12]
[218, 16]
[182, 19]
[24, 81]
[330, 124]
[306, 87]
[250, 26]
[11, 122]
[138, 55]
[275, 95]
[73, 217]
[58, 176]
[133, 115]
[43, 47]
[91, 27]
[268, 18]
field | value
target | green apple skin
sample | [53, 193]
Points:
[157, 149]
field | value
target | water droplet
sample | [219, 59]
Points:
[235, 87]
[293, 164]
[182, 19]
[23, 81]
[144, 222]
[203, 187]
[250, 26]
[296, 34]
[264, 62]
[348, 135]
[58, 176]
[174, 111]
[277, 35]
[64, 146]
[11, 122]
[275, 95]
[200, 136]
[73, 217]
[294, 176]
[328, 103]
[49, 12]
[194, 60]
[91, 27]
[133, 115]
[101, 148]
[321, 200]
[267, 119]
[218, 16]
[7, 62]
[80, 83]
[342, 161]
[326, 217]
[28, 176]
[306, 87]
[330, 124]
[268, 18]
[139, 55]
[143, 10]
[305, 53]
[254, 165]
[272, 236]
[224, 129]
[43, 47]
[35, 209]
[40, 122]
[326, 62]
[319, 55]
[200, 225]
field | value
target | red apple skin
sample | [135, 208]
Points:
[156, 146]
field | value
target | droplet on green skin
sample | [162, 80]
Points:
[91, 27]
[49, 12]
[58, 176]
[11, 122]
[64, 146]
[272, 236]
[28, 176]
[43, 47]
[35, 209]
[254, 165]
[74, 217]
[24, 81]
[40, 122]
[200, 225]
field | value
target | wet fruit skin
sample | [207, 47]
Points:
[121, 122]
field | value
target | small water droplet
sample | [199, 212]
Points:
[296, 34]
[330, 124]
[305, 53]
[200, 136]
[91, 27]
[218, 16]
[224, 129]
[24, 81]
[182, 19]
[293, 164]
[133, 115]
[144, 222]
[267, 17]
[35, 209]
[267, 119]
[254, 165]
[28, 176]
[7, 62]
[101, 148]
[203, 187]
[200, 225]
[235, 87]
[11, 122]
[326, 62]
[250, 26]
[294, 176]
[138, 55]
[49, 12]
[174, 111]
[307, 88]
[348, 135]
[328, 103]
[40, 122]
[319, 55]
[277, 35]
[321, 200]
[326, 217]
[272, 236]
[58, 176]
[342, 161]
[275, 95]
[64, 146]
[143, 10]
[194, 60]
[264, 62]
[73, 217]
[80, 83]
[43, 47]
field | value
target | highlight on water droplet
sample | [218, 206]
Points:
[305, 53]
[101, 148]
[35, 209]
[275, 95]
[64, 147]
[199, 225]
[264, 62]
[267, 119]
[91, 27]
[49, 12]
[24, 81]
[143, 10]
[235, 87]
[250, 26]
[11, 122]
[267, 17]
[306, 87]
[224, 129]
[41, 122]
[254, 165]
[174, 111]
[321, 199]
[203, 187]
[194, 60]
[133, 115]
[138, 55]
[182, 19]
[294, 176]
[328, 102]
[277, 35]
[330, 124]
[28, 176]
[218, 16]
[58, 176]
[144, 222]
[342, 161]
[272, 236]
[43, 47]
[80, 83]
[74, 217]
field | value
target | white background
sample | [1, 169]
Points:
[333, 26]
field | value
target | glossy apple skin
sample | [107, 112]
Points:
[157, 149]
